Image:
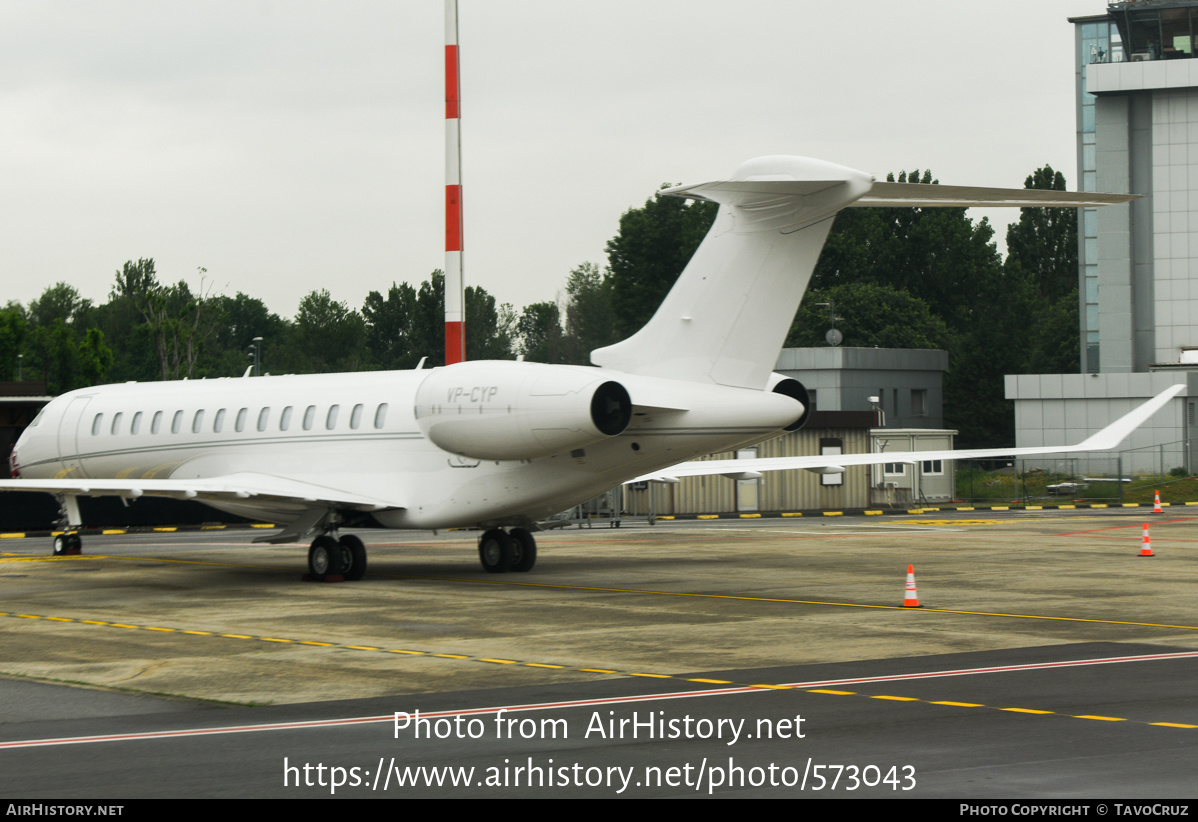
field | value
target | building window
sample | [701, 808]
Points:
[895, 469]
[919, 402]
[932, 468]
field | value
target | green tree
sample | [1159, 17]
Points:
[329, 335]
[409, 324]
[13, 333]
[870, 315]
[590, 313]
[179, 322]
[648, 253]
[540, 330]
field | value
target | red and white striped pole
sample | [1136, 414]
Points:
[455, 296]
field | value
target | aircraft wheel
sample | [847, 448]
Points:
[353, 557]
[526, 549]
[74, 544]
[495, 551]
[60, 545]
[324, 558]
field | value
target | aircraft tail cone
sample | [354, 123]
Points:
[1146, 547]
[911, 598]
[1156, 505]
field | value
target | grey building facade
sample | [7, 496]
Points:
[907, 381]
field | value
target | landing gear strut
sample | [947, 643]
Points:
[500, 552]
[68, 543]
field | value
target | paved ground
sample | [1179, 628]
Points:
[211, 621]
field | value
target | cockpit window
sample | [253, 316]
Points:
[39, 416]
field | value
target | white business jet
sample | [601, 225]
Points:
[504, 445]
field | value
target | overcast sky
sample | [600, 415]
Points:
[293, 145]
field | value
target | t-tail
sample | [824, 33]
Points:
[726, 317]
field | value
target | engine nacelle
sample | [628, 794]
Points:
[790, 387]
[492, 410]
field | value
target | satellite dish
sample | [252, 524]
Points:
[834, 337]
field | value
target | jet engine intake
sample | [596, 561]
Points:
[515, 410]
[790, 387]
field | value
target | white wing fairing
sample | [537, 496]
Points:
[502, 444]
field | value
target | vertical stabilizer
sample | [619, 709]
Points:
[726, 317]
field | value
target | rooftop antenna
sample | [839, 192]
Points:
[455, 298]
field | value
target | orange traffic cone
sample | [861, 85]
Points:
[1156, 506]
[911, 599]
[1146, 547]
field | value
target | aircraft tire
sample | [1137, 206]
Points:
[353, 557]
[60, 545]
[324, 558]
[525, 546]
[495, 551]
[74, 544]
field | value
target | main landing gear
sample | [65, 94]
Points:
[501, 551]
[343, 558]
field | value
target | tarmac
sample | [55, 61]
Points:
[196, 624]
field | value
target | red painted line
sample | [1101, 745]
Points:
[451, 83]
[580, 703]
[1138, 524]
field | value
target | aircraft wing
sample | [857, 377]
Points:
[1105, 440]
[243, 486]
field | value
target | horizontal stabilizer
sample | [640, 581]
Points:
[926, 196]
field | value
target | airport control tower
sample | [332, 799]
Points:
[1136, 86]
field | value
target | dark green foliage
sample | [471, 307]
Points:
[872, 316]
[654, 244]
[540, 331]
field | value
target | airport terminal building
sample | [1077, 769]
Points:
[1137, 132]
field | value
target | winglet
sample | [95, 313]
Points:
[1117, 431]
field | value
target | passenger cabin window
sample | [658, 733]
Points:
[330, 422]
[116, 422]
[285, 419]
[218, 424]
[309, 417]
[241, 415]
[355, 417]
[197, 422]
[177, 422]
[380, 415]
[96, 423]
[156, 423]
[135, 426]
[263, 418]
